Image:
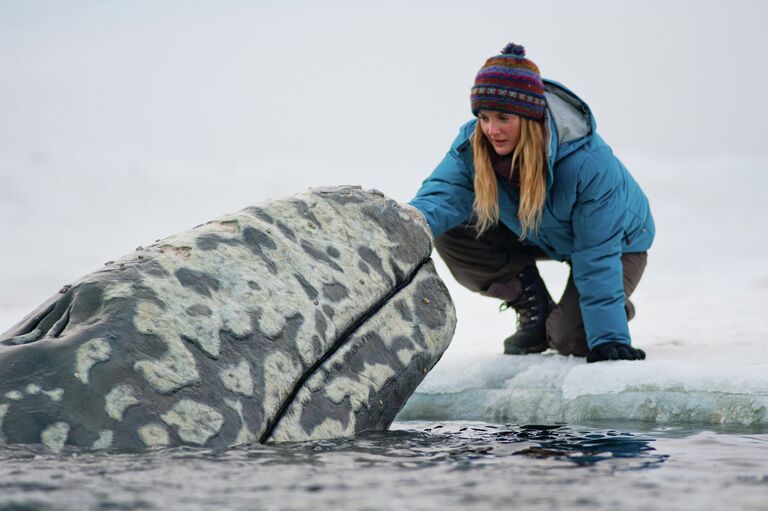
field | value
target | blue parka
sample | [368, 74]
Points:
[594, 210]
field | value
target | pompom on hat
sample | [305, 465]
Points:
[509, 83]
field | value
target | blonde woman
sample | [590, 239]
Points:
[531, 179]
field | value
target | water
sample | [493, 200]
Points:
[416, 465]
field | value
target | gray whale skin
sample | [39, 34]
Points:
[307, 317]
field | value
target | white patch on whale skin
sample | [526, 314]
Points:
[328, 428]
[176, 368]
[292, 301]
[55, 436]
[118, 400]
[405, 355]
[333, 428]
[235, 320]
[281, 371]
[14, 395]
[90, 354]
[238, 378]
[104, 441]
[357, 391]
[154, 435]
[118, 290]
[195, 422]
[244, 436]
[54, 395]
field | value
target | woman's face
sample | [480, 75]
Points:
[501, 129]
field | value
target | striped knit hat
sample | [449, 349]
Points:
[509, 83]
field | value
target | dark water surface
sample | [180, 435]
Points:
[417, 465]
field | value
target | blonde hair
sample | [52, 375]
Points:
[529, 157]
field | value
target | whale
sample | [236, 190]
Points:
[305, 317]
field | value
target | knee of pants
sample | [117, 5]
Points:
[566, 339]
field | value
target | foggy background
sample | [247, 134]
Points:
[123, 122]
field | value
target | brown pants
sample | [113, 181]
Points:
[489, 265]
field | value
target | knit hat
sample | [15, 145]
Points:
[509, 83]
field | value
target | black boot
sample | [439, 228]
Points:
[532, 306]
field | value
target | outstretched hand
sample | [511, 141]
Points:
[614, 351]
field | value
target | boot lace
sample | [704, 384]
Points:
[525, 306]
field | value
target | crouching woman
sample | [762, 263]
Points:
[530, 179]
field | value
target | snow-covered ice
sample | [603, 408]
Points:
[552, 388]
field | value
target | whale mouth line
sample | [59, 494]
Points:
[338, 344]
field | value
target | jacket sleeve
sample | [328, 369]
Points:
[597, 217]
[446, 196]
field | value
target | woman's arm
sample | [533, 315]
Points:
[446, 196]
[598, 226]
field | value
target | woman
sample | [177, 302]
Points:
[530, 179]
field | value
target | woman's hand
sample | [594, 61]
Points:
[614, 351]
